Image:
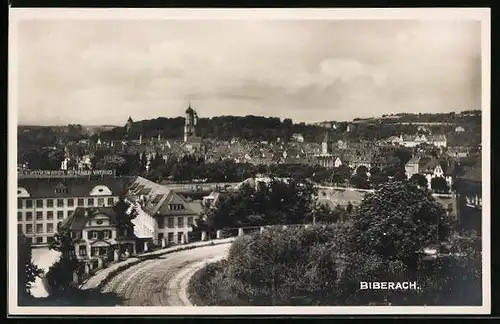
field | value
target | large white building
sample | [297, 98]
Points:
[415, 140]
[162, 213]
[43, 203]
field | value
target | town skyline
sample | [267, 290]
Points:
[270, 116]
[113, 69]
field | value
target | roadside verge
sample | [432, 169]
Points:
[102, 277]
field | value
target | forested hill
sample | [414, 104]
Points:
[256, 128]
[259, 128]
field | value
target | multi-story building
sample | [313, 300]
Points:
[96, 235]
[43, 203]
[431, 168]
[163, 214]
[469, 196]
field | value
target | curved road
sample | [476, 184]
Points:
[163, 281]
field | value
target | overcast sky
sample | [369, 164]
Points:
[102, 72]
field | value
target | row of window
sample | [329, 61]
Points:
[170, 222]
[49, 228]
[40, 239]
[40, 215]
[94, 251]
[70, 202]
[170, 237]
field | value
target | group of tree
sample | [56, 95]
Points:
[259, 204]
[438, 184]
[383, 241]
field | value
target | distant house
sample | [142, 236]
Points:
[415, 140]
[342, 144]
[431, 168]
[298, 137]
[459, 129]
[458, 152]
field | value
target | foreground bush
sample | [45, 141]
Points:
[317, 267]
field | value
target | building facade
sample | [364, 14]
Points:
[163, 213]
[96, 235]
[43, 203]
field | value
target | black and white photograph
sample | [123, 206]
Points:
[238, 161]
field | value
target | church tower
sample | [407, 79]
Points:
[129, 124]
[190, 124]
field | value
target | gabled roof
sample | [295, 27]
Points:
[156, 198]
[77, 220]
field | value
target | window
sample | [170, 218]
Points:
[91, 202]
[71, 202]
[39, 228]
[69, 212]
[180, 222]
[179, 237]
[100, 201]
[82, 251]
[161, 222]
[50, 203]
[39, 203]
[19, 227]
[20, 203]
[50, 215]
[39, 239]
[29, 229]
[94, 234]
[60, 214]
[50, 239]
[39, 215]
[29, 216]
[50, 227]
[29, 203]
[170, 237]
[60, 202]
[94, 251]
[81, 202]
[190, 221]
[170, 222]
[110, 202]
[160, 236]
[19, 216]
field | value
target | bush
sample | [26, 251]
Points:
[319, 266]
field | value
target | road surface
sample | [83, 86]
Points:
[163, 281]
[43, 258]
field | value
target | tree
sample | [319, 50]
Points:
[399, 220]
[278, 202]
[27, 271]
[60, 274]
[419, 179]
[439, 184]
[403, 154]
[359, 182]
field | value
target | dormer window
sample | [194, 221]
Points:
[61, 189]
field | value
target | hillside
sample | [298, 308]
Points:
[258, 128]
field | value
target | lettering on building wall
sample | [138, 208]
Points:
[64, 173]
